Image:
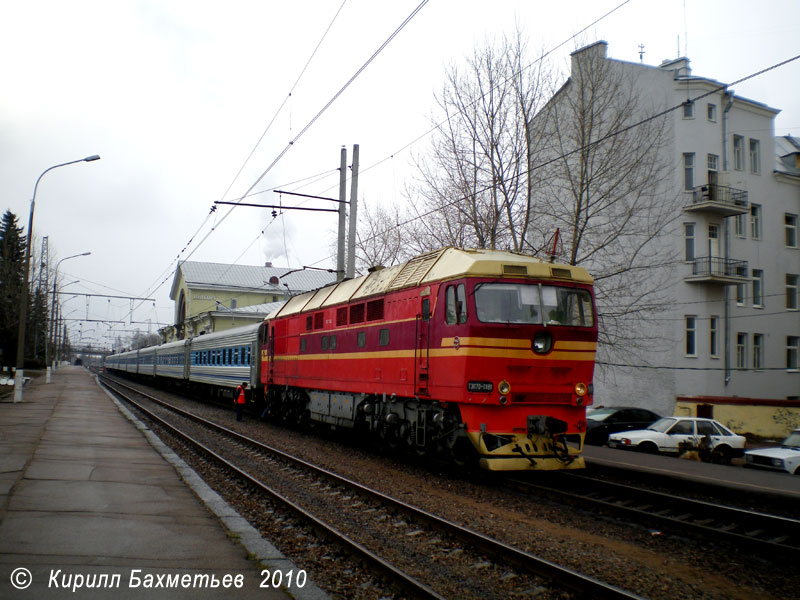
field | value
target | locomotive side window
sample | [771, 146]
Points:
[332, 343]
[461, 303]
[324, 342]
[309, 321]
[318, 320]
[450, 309]
[384, 337]
[526, 303]
[362, 339]
[341, 316]
[456, 304]
[302, 344]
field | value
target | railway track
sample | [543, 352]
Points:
[776, 535]
[352, 510]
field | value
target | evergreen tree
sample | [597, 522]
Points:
[12, 265]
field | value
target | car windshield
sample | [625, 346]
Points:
[792, 441]
[526, 303]
[662, 424]
[601, 414]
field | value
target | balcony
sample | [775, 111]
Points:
[716, 270]
[718, 199]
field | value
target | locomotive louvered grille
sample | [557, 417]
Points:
[515, 270]
[414, 270]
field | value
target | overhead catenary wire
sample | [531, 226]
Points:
[580, 148]
[167, 273]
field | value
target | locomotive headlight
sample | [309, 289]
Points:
[581, 389]
[542, 342]
[504, 387]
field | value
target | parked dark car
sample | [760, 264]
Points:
[605, 420]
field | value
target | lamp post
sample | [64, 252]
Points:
[19, 376]
[52, 315]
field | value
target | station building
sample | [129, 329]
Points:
[730, 310]
[213, 297]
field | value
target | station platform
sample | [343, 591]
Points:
[733, 476]
[93, 505]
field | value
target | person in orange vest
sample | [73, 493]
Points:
[239, 399]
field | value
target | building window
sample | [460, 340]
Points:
[755, 221]
[713, 163]
[755, 157]
[688, 241]
[741, 350]
[758, 351]
[792, 302]
[790, 225]
[758, 288]
[739, 226]
[712, 112]
[738, 153]
[688, 171]
[741, 288]
[688, 110]
[691, 333]
[713, 337]
[792, 348]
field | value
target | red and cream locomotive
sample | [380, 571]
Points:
[467, 353]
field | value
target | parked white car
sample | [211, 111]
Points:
[673, 434]
[785, 458]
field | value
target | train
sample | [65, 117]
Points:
[479, 356]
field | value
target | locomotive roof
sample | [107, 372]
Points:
[439, 265]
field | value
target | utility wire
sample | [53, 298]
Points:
[582, 148]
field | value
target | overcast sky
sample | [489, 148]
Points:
[174, 95]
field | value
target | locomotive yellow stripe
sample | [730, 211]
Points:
[515, 343]
[442, 353]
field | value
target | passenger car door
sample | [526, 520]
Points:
[680, 432]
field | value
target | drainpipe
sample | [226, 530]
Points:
[728, 101]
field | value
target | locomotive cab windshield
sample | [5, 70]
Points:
[533, 304]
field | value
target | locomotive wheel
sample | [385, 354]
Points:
[463, 454]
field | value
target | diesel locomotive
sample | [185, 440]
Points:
[471, 354]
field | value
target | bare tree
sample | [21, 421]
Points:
[472, 187]
[607, 189]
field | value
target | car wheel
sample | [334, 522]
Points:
[723, 455]
[648, 448]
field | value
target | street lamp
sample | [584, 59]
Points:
[19, 377]
[52, 315]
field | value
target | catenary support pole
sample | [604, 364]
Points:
[351, 238]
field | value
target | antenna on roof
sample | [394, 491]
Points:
[641, 53]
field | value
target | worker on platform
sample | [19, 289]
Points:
[239, 399]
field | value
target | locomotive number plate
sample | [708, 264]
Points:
[480, 387]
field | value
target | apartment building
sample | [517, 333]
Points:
[731, 326]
